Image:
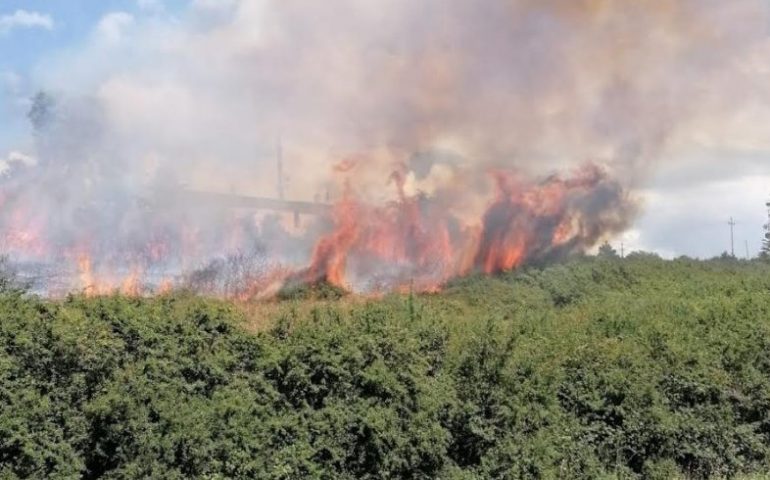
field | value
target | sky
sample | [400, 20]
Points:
[36, 32]
[687, 198]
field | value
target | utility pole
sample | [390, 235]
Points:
[732, 236]
[622, 250]
[748, 256]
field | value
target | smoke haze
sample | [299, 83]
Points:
[444, 95]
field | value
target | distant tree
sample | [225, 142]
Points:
[41, 113]
[725, 257]
[764, 250]
[606, 251]
[764, 253]
[642, 255]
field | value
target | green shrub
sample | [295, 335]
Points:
[599, 368]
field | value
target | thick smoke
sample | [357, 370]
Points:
[447, 94]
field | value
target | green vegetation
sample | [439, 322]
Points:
[600, 368]
[296, 290]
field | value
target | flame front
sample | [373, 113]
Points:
[408, 242]
[417, 240]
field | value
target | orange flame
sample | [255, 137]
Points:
[525, 221]
[415, 242]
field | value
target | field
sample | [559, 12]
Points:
[597, 368]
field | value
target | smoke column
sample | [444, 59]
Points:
[450, 136]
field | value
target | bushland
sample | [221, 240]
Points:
[597, 368]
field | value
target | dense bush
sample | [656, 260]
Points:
[601, 368]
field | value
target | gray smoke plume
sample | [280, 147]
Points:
[441, 90]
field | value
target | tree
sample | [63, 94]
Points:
[606, 251]
[41, 113]
[765, 251]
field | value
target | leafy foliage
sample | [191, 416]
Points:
[600, 368]
[607, 251]
[302, 290]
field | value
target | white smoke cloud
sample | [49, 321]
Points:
[536, 85]
[15, 158]
[512, 83]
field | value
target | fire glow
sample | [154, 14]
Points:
[416, 141]
[414, 241]
[424, 245]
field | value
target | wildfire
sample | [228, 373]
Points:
[92, 284]
[529, 221]
[85, 272]
[410, 239]
[23, 235]
[331, 252]
[416, 241]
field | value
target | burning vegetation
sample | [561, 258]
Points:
[413, 241]
[438, 139]
[417, 242]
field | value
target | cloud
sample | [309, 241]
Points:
[113, 26]
[692, 219]
[150, 5]
[25, 19]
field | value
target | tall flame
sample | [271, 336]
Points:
[409, 241]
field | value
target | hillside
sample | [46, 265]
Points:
[598, 368]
